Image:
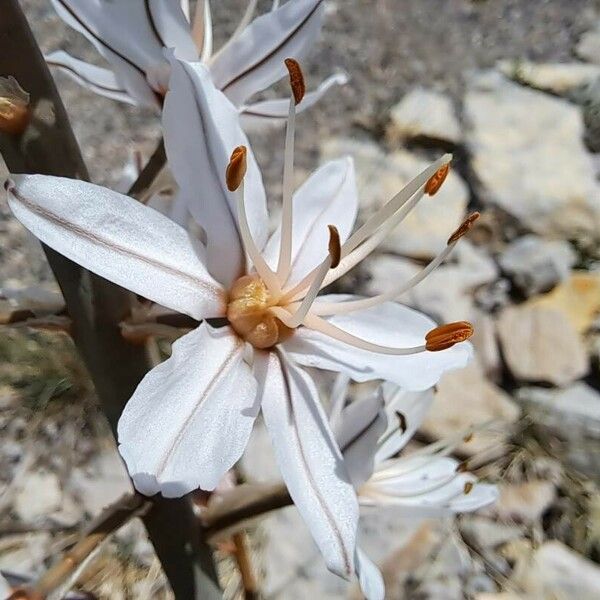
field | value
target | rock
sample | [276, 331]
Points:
[523, 502]
[540, 344]
[40, 496]
[573, 415]
[9, 397]
[25, 554]
[555, 571]
[380, 176]
[486, 346]
[446, 294]
[102, 481]
[536, 265]
[465, 398]
[424, 115]
[557, 78]
[578, 298]
[528, 156]
[588, 47]
[484, 533]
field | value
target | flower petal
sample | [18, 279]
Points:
[275, 112]
[119, 239]
[201, 129]
[360, 426]
[98, 80]
[255, 59]
[369, 576]
[309, 459]
[413, 407]
[190, 418]
[389, 324]
[328, 197]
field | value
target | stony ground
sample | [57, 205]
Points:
[512, 87]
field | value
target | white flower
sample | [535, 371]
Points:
[133, 34]
[190, 418]
[426, 483]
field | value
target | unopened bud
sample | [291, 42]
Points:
[445, 336]
[14, 107]
[236, 169]
[296, 79]
[437, 179]
[463, 228]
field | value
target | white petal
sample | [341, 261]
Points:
[414, 407]
[255, 59]
[5, 589]
[190, 418]
[309, 459]
[173, 28]
[328, 197]
[122, 33]
[98, 80]
[388, 324]
[369, 577]
[201, 129]
[119, 239]
[360, 426]
[275, 112]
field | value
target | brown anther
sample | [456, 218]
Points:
[236, 169]
[296, 79]
[468, 487]
[15, 111]
[463, 467]
[402, 420]
[335, 246]
[435, 182]
[468, 438]
[463, 228]
[445, 336]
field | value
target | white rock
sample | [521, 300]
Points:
[485, 342]
[380, 176]
[558, 78]
[535, 264]
[588, 46]
[523, 502]
[40, 496]
[528, 156]
[555, 571]
[540, 344]
[427, 114]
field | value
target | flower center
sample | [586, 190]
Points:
[249, 315]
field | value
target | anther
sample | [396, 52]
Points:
[462, 467]
[446, 336]
[463, 228]
[296, 79]
[335, 246]
[468, 438]
[402, 421]
[436, 180]
[236, 169]
[468, 487]
[15, 112]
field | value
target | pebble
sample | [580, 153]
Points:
[540, 345]
[536, 265]
[588, 47]
[424, 115]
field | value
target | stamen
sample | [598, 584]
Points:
[236, 169]
[393, 212]
[235, 181]
[462, 467]
[464, 227]
[334, 254]
[446, 336]
[296, 79]
[435, 183]
[327, 328]
[468, 487]
[285, 251]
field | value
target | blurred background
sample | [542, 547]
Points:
[512, 88]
